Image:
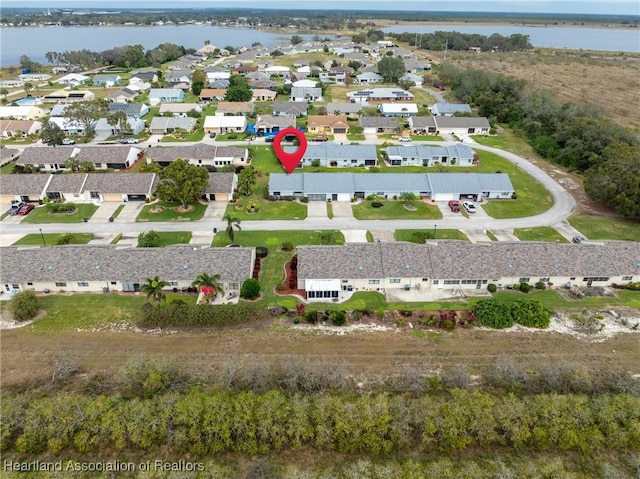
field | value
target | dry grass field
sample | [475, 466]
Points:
[610, 80]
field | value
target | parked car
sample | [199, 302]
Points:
[454, 205]
[319, 138]
[129, 141]
[405, 139]
[15, 207]
[68, 141]
[470, 207]
[26, 209]
[212, 135]
[270, 139]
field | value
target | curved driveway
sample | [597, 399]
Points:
[563, 206]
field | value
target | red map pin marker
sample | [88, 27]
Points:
[290, 160]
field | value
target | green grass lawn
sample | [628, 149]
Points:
[118, 211]
[266, 210]
[173, 237]
[197, 135]
[394, 209]
[604, 228]
[41, 215]
[509, 141]
[169, 214]
[264, 160]
[329, 210]
[491, 236]
[273, 239]
[541, 233]
[426, 138]
[8, 168]
[51, 239]
[356, 137]
[441, 234]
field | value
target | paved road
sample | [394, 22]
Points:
[563, 206]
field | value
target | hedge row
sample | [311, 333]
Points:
[498, 314]
[178, 313]
[202, 423]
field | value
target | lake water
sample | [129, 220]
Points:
[607, 39]
[36, 41]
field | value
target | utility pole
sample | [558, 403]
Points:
[446, 46]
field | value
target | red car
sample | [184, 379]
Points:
[25, 209]
[454, 206]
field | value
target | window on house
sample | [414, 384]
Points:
[425, 279]
[394, 280]
[573, 278]
[61, 285]
[31, 284]
[597, 278]
[543, 280]
[83, 284]
[173, 283]
[374, 281]
[436, 281]
[451, 281]
[627, 278]
[470, 281]
[113, 283]
[524, 280]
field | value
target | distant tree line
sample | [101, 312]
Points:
[578, 137]
[463, 41]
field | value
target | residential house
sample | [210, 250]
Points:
[426, 155]
[11, 83]
[367, 78]
[244, 69]
[422, 125]
[144, 77]
[138, 86]
[21, 112]
[277, 70]
[23, 187]
[109, 268]
[260, 94]
[410, 77]
[178, 77]
[376, 124]
[19, 128]
[165, 95]
[327, 124]
[219, 84]
[258, 76]
[351, 110]
[462, 125]
[210, 156]
[33, 77]
[307, 94]
[449, 109]
[332, 154]
[52, 159]
[102, 127]
[401, 110]
[221, 186]
[123, 95]
[7, 155]
[132, 110]
[336, 272]
[225, 124]
[417, 66]
[290, 108]
[263, 84]
[108, 80]
[162, 125]
[437, 186]
[213, 94]
[66, 188]
[73, 79]
[69, 126]
[119, 187]
[233, 108]
[333, 77]
[380, 95]
[179, 109]
[68, 96]
[219, 74]
[305, 84]
[268, 124]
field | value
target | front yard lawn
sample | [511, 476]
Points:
[42, 215]
[173, 237]
[51, 239]
[273, 239]
[166, 211]
[197, 135]
[267, 210]
[264, 160]
[441, 234]
[605, 228]
[395, 210]
[541, 233]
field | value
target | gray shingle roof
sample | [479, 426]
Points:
[59, 154]
[33, 155]
[462, 260]
[125, 183]
[346, 107]
[379, 122]
[108, 263]
[163, 123]
[422, 121]
[29, 185]
[450, 108]
[461, 122]
[391, 182]
[457, 151]
[67, 183]
[331, 151]
[292, 107]
[220, 183]
[194, 152]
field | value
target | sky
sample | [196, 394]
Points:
[617, 7]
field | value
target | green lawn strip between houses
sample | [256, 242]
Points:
[169, 214]
[51, 239]
[167, 238]
[42, 215]
[541, 233]
[440, 234]
[265, 209]
[605, 228]
[395, 209]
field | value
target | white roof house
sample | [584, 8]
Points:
[73, 79]
[21, 112]
[223, 124]
[398, 109]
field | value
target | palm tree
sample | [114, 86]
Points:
[232, 222]
[153, 288]
[210, 281]
[328, 237]
[27, 87]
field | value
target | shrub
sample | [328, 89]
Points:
[374, 169]
[65, 238]
[149, 239]
[337, 318]
[493, 313]
[421, 237]
[377, 204]
[310, 317]
[287, 246]
[24, 305]
[530, 313]
[250, 289]
[372, 197]
[448, 324]
[315, 163]
[406, 312]
[525, 287]
[304, 199]
[492, 288]
[540, 285]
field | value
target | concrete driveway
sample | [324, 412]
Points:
[316, 209]
[130, 212]
[342, 210]
[105, 210]
[340, 138]
[355, 236]
[215, 210]
[504, 235]
[476, 235]
[443, 206]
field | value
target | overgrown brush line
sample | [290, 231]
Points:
[202, 423]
